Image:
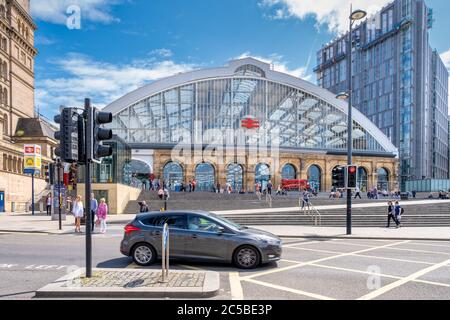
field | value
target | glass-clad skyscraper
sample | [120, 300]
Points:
[399, 83]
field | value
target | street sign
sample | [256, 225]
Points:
[32, 158]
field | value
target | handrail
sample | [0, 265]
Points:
[269, 199]
[310, 210]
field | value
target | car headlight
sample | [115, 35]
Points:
[270, 241]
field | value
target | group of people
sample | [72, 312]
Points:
[99, 210]
[395, 212]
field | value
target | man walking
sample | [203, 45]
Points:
[398, 214]
[357, 193]
[94, 207]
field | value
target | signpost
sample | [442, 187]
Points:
[32, 155]
[165, 253]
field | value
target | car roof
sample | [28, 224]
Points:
[155, 213]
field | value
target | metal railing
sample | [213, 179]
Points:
[269, 199]
[310, 210]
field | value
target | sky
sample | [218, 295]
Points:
[103, 49]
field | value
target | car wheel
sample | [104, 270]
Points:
[144, 254]
[247, 257]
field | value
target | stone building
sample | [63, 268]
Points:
[18, 124]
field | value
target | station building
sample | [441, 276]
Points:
[246, 123]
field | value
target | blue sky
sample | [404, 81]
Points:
[123, 44]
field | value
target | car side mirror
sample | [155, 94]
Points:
[220, 230]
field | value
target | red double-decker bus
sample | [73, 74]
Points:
[295, 184]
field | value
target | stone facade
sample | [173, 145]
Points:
[301, 162]
[17, 54]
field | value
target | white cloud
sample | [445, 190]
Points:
[446, 58]
[54, 11]
[102, 82]
[333, 13]
[280, 65]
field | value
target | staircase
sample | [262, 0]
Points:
[426, 215]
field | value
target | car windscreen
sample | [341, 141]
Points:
[227, 222]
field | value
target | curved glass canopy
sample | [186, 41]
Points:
[211, 110]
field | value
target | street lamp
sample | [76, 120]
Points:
[355, 15]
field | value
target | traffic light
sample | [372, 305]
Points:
[338, 177]
[95, 119]
[352, 177]
[50, 173]
[68, 135]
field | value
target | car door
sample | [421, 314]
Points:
[207, 242]
[177, 233]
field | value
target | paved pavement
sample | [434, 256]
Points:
[309, 269]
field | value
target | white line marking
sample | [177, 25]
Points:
[315, 250]
[320, 260]
[420, 251]
[235, 286]
[299, 292]
[393, 259]
[403, 281]
[190, 267]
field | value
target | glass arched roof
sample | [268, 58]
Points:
[208, 106]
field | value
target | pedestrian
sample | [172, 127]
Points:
[160, 193]
[391, 214]
[94, 207]
[102, 213]
[48, 202]
[398, 213]
[78, 213]
[194, 185]
[414, 193]
[269, 187]
[357, 193]
[305, 199]
[143, 207]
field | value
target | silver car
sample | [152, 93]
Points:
[198, 236]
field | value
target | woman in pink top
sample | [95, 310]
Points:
[102, 213]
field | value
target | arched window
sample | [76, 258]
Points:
[383, 179]
[5, 70]
[5, 162]
[5, 125]
[262, 175]
[205, 177]
[141, 171]
[5, 96]
[2, 11]
[288, 172]
[235, 176]
[315, 177]
[173, 175]
[362, 179]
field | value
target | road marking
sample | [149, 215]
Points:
[290, 245]
[403, 281]
[420, 251]
[429, 244]
[235, 286]
[393, 259]
[316, 250]
[355, 271]
[132, 265]
[299, 292]
[321, 260]
[190, 267]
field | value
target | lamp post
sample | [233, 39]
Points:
[354, 16]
